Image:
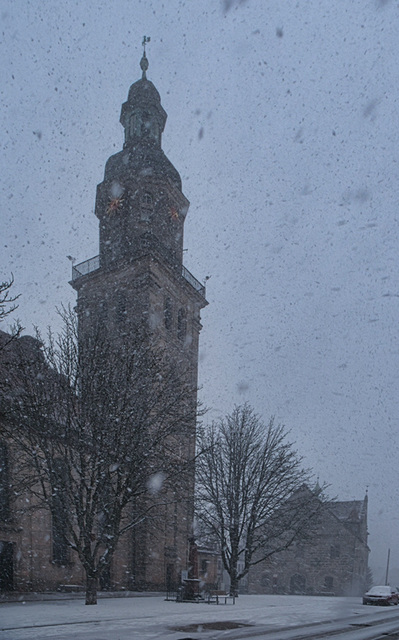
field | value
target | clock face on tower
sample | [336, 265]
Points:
[174, 214]
[114, 205]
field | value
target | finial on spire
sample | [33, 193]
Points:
[144, 61]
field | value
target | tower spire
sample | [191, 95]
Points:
[144, 60]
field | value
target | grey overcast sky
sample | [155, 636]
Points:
[283, 123]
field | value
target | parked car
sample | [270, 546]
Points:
[383, 595]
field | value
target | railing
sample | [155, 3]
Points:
[193, 281]
[83, 268]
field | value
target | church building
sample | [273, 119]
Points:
[333, 562]
[137, 283]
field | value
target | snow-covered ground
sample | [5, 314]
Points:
[152, 617]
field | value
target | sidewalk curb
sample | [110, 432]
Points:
[30, 596]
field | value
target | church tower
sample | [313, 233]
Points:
[138, 279]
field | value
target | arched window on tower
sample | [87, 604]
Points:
[149, 126]
[144, 125]
[121, 307]
[103, 312]
[135, 125]
[181, 324]
[146, 205]
[154, 130]
[168, 313]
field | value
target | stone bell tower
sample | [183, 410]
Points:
[139, 278]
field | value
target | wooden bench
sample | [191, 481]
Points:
[70, 588]
[220, 597]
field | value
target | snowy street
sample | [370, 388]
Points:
[127, 618]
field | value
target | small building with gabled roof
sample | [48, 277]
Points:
[333, 562]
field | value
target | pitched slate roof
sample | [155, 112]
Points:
[349, 510]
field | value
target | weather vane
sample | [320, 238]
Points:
[145, 40]
[144, 61]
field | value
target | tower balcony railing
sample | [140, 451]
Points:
[92, 264]
[193, 281]
[83, 268]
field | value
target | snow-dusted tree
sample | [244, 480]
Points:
[7, 301]
[251, 493]
[102, 433]
[7, 306]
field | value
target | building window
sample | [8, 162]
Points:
[181, 324]
[104, 514]
[59, 515]
[154, 129]
[60, 547]
[145, 124]
[149, 126]
[135, 125]
[265, 581]
[4, 482]
[328, 583]
[297, 584]
[167, 313]
[335, 551]
[105, 578]
[121, 307]
[147, 199]
[103, 313]
[170, 577]
[6, 566]
[146, 205]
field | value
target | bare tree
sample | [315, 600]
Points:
[251, 492]
[98, 427]
[7, 299]
[8, 306]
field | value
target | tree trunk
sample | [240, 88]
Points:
[234, 587]
[233, 566]
[91, 589]
[233, 581]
